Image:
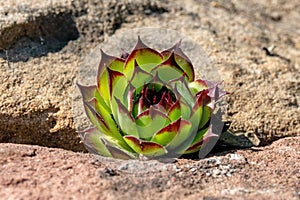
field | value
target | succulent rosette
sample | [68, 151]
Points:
[147, 103]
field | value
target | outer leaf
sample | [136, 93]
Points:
[183, 134]
[116, 80]
[184, 109]
[145, 57]
[181, 59]
[200, 112]
[90, 92]
[95, 117]
[111, 62]
[117, 85]
[107, 62]
[197, 143]
[194, 148]
[103, 86]
[117, 152]
[205, 116]
[166, 134]
[107, 129]
[94, 141]
[91, 140]
[87, 92]
[214, 91]
[125, 121]
[105, 115]
[146, 148]
[197, 86]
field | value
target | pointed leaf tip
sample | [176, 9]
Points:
[147, 58]
[87, 92]
[112, 79]
[181, 59]
[91, 138]
[124, 54]
[140, 44]
[104, 63]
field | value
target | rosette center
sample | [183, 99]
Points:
[152, 94]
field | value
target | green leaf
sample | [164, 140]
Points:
[91, 140]
[107, 118]
[117, 85]
[107, 62]
[205, 116]
[117, 152]
[140, 77]
[103, 86]
[90, 92]
[184, 133]
[200, 111]
[166, 134]
[151, 121]
[95, 117]
[182, 88]
[108, 129]
[125, 120]
[174, 113]
[97, 143]
[196, 117]
[128, 97]
[184, 109]
[146, 148]
[181, 59]
[144, 56]
[168, 70]
[198, 141]
[112, 62]
[197, 86]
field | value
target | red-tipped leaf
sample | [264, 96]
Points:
[181, 59]
[145, 57]
[166, 134]
[125, 120]
[143, 147]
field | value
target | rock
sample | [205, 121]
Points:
[42, 47]
[33, 172]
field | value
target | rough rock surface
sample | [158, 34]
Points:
[42, 46]
[43, 43]
[33, 172]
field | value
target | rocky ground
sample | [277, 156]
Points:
[43, 45]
